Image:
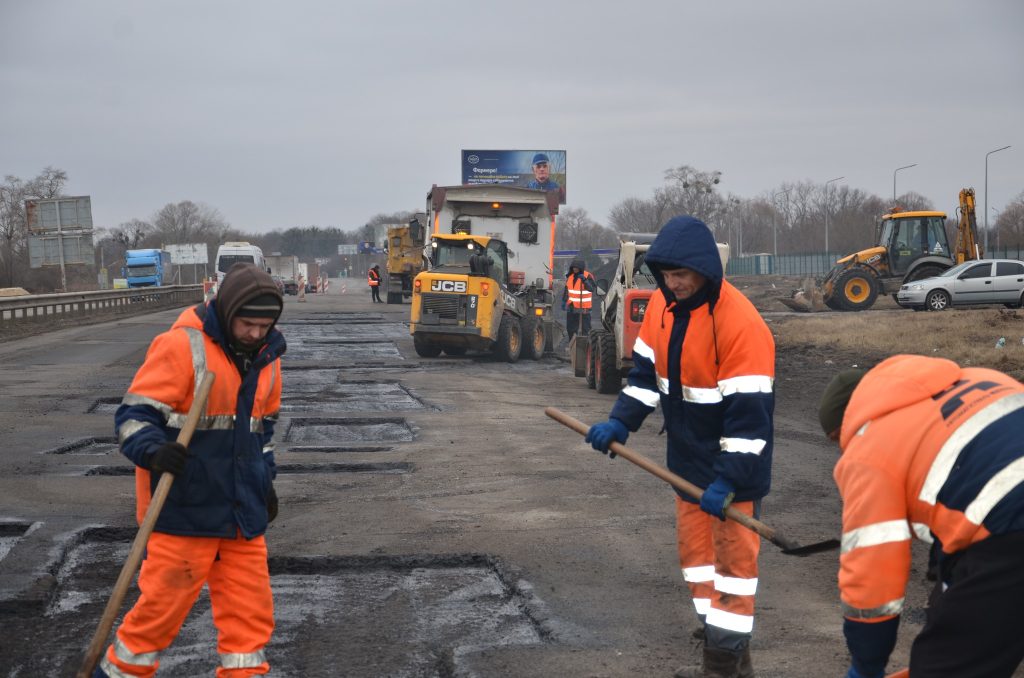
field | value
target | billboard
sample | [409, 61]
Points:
[540, 169]
[192, 253]
[60, 249]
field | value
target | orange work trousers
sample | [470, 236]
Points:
[719, 563]
[171, 578]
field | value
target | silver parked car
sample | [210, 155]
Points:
[989, 281]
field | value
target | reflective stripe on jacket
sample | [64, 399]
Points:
[231, 462]
[718, 406]
[373, 278]
[930, 450]
[578, 290]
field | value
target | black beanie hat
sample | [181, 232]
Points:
[836, 397]
[262, 306]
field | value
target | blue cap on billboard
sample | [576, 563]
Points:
[540, 158]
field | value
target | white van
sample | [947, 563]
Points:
[231, 253]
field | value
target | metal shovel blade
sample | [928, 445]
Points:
[818, 547]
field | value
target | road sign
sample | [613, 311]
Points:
[193, 253]
[348, 249]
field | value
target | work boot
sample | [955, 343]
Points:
[717, 663]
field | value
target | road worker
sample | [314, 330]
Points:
[373, 280]
[211, 529]
[578, 298]
[704, 352]
[931, 450]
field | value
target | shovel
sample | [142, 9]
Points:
[788, 546]
[99, 639]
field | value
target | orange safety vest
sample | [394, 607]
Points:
[373, 278]
[929, 450]
[578, 294]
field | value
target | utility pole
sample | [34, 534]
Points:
[986, 192]
[894, 180]
[775, 233]
[828, 207]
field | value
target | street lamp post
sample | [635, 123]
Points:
[827, 208]
[986, 192]
[894, 180]
[775, 233]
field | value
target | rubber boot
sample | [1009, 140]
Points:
[717, 663]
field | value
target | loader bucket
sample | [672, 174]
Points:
[807, 299]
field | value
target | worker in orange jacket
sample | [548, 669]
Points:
[706, 355]
[931, 450]
[211, 529]
[373, 280]
[578, 298]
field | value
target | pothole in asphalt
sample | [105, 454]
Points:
[340, 449]
[303, 430]
[88, 446]
[10, 533]
[387, 467]
[105, 405]
[414, 615]
[351, 350]
[353, 395]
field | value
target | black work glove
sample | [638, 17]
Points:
[271, 505]
[169, 458]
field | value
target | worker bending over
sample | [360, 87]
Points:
[931, 450]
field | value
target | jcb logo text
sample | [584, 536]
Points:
[448, 285]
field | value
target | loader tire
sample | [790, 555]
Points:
[606, 375]
[533, 337]
[424, 348]
[510, 339]
[591, 364]
[856, 290]
[833, 303]
[455, 350]
[394, 297]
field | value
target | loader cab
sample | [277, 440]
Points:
[909, 236]
[468, 255]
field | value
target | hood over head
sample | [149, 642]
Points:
[247, 291]
[686, 242]
[579, 263]
[895, 383]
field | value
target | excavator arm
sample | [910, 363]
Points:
[967, 246]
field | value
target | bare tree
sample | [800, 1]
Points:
[575, 230]
[1010, 223]
[186, 222]
[13, 229]
[637, 215]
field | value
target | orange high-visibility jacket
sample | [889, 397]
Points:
[231, 463]
[720, 424]
[930, 450]
[373, 277]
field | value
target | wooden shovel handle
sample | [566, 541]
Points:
[131, 564]
[672, 479]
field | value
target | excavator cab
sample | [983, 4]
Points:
[909, 237]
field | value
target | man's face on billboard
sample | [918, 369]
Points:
[541, 172]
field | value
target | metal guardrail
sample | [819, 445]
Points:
[43, 307]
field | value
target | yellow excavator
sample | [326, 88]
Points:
[909, 246]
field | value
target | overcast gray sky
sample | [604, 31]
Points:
[285, 114]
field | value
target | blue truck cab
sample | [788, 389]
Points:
[147, 268]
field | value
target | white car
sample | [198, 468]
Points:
[989, 281]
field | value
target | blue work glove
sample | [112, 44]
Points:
[854, 673]
[600, 436]
[717, 497]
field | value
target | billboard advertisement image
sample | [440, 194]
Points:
[538, 169]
